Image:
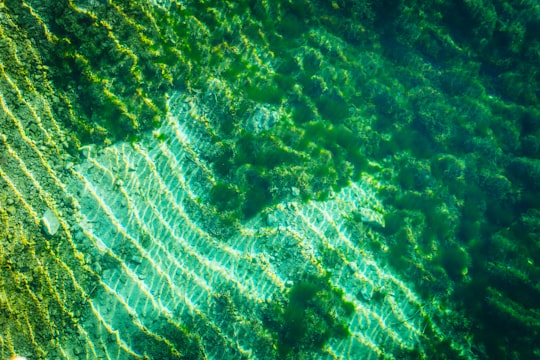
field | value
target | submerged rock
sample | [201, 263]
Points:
[50, 223]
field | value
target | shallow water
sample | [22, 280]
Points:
[226, 180]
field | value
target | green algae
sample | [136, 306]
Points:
[224, 197]
[450, 87]
[454, 260]
[445, 135]
[118, 89]
[308, 318]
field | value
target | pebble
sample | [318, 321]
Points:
[11, 210]
[271, 219]
[10, 201]
[50, 223]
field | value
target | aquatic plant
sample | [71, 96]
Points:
[313, 313]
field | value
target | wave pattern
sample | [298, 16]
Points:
[43, 279]
[142, 266]
[140, 210]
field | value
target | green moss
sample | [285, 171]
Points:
[308, 318]
[262, 151]
[87, 57]
[414, 200]
[406, 178]
[227, 124]
[418, 143]
[225, 197]
[246, 150]
[160, 137]
[257, 198]
[312, 62]
[359, 161]
[317, 131]
[379, 294]
[349, 309]
[285, 82]
[184, 341]
[264, 93]
[525, 171]
[257, 193]
[454, 260]
[468, 230]
[303, 113]
[398, 252]
[236, 67]
[386, 148]
[289, 66]
[133, 139]
[500, 213]
[223, 160]
[325, 171]
[291, 26]
[393, 221]
[474, 203]
[438, 222]
[343, 136]
[333, 108]
[273, 155]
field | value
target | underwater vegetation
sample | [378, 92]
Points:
[425, 91]
[312, 314]
[437, 100]
[109, 84]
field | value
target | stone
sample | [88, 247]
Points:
[271, 219]
[50, 223]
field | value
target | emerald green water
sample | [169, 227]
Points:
[437, 101]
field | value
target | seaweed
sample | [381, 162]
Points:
[309, 317]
